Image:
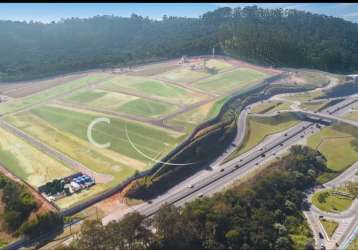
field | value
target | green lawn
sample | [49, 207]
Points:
[259, 128]
[343, 154]
[331, 202]
[149, 139]
[236, 79]
[17, 104]
[329, 226]
[146, 108]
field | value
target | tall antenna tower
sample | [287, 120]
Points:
[214, 52]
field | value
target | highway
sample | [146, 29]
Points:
[232, 170]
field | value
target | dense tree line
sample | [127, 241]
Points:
[262, 213]
[19, 203]
[270, 36]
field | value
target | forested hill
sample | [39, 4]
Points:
[274, 37]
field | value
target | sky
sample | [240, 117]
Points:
[46, 12]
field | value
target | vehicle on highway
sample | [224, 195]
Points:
[200, 195]
[190, 186]
[320, 217]
[222, 170]
[322, 247]
[285, 134]
[237, 166]
[320, 235]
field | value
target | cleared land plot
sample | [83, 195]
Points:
[329, 202]
[18, 104]
[259, 128]
[343, 154]
[329, 226]
[152, 88]
[27, 88]
[183, 75]
[154, 69]
[233, 80]
[124, 103]
[27, 162]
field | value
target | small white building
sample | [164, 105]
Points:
[75, 186]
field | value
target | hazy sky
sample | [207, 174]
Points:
[46, 12]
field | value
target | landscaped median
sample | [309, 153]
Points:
[329, 226]
[332, 200]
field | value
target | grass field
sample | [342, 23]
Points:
[120, 102]
[18, 104]
[65, 130]
[148, 139]
[183, 75]
[152, 88]
[146, 108]
[27, 162]
[329, 226]
[332, 202]
[259, 128]
[236, 79]
[343, 154]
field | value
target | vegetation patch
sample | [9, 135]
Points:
[330, 201]
[329, 226]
